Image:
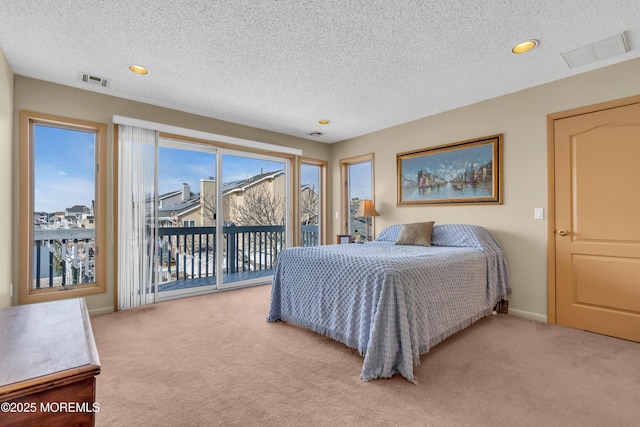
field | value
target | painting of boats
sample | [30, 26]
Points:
[461, 173]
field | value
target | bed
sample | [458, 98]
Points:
[391, 302]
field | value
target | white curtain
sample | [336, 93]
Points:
[137, 216]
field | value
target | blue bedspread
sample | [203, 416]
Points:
[392, 303]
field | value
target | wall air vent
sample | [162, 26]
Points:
[315, 133]
[93, 79]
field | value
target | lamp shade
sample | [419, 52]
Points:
[367, 209]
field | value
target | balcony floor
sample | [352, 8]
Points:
[205, 281]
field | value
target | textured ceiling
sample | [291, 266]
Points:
[283, 65]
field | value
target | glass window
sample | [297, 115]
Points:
[312, 202]
[61, 189]
[357, 175]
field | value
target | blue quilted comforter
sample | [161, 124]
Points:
[392, 303]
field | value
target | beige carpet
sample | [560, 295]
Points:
[214, 360]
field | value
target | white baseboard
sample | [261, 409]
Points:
[528, 315]
[99, 311]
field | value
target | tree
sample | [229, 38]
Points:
[309, 204]
[208, 209]
[258, 205]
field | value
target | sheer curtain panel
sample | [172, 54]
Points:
[137, 216]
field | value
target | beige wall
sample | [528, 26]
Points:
[521, 117]
[44, 97]
[6, 148]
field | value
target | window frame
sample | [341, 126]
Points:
[27, 122]
[344, 190]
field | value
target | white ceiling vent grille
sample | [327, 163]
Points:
[603, 49]
[93, 79]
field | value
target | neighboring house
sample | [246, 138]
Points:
[88, 221]
[188, 209]
[241, 198]
[40, 218]
[77, 211]
[177, 207]
[309, 204]
[78, 216]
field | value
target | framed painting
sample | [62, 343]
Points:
[467, 172]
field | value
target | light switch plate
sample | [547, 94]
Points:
[538, 213]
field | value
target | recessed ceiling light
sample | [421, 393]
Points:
[525, 46]
[324, 122]
[139, 69]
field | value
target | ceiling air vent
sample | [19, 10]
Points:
[315, 133]
[603, 49]
[93, 79]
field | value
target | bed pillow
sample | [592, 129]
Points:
[460, 235]
[418, 234]
[389, 234]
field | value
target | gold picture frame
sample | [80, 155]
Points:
[467, 172]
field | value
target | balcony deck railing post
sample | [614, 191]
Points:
[206, 265]
[193, 255]
[231, 251]
[50, 264]
[199, 254]
[184, 256]
[63, 261]
[177, 257]
[38, 250]
[215, 248]
[74, 263]
[86, 259]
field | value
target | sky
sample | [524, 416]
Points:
[447, 164]
[177, 166]
[64, 169]
[360, 180]
[64, 162]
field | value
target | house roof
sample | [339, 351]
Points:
[307, 187]
[79, 209]
[169, 194]
[283, 66]
[193, 201]
[180, 207]
[243, 184]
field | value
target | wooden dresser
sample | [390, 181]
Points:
[48, 365]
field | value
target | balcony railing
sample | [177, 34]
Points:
[190, 252]
[66, 257]
[63, 257]
[310, 235]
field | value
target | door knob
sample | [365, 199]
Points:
[563, 232]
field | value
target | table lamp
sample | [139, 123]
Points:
[367, 210]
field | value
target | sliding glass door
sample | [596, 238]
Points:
[194, 217]
[255, 214]
[222, 217]
[186, 222]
